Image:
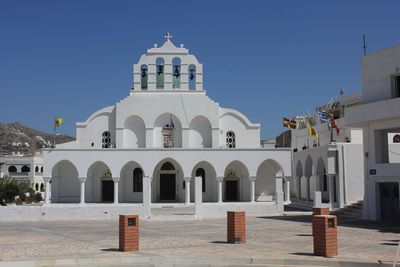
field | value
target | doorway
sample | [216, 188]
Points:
[107, 192]
[390, 210]
[167, 187]
[231, 190]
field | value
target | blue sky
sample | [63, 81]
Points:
[267, 59]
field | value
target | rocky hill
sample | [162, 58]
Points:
[18, 137]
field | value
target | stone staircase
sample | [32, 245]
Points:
[351, 211]
[301, 205]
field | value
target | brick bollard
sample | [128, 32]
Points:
[128, 232]
[325, 235]
[318, 211]
[236, 226]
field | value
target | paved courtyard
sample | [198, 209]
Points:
[273, 237]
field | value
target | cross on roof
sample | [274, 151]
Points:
[168, 37]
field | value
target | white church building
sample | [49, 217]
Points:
[149, 147]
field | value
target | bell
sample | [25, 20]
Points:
[160, 70]
[191, 75]
[144, 73]
[176, 71]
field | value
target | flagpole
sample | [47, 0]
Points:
[308, 130]
[318, 122]
[54, 135]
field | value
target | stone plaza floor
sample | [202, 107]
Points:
[287, 236]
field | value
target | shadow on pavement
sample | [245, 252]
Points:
[292, 218]
[304, 235]
[111, 249]
[219, 242]
[390, 244]
[383, 227]
[303, 254]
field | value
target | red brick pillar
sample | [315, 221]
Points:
[318, 211]
[128, 232]
[236, 224]
[325, 235]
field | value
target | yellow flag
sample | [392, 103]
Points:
[58, 122]
[311, 131]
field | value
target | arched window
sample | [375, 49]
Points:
[12, 169]
[37, 170]
[160, 73]
[106, 139]
[176, 73]
[143, 77]
[41, 187]
[192, 77]
[396, 138]
[230, 140]
[201, 172]
[137, 180]
[37, 187]
[25, 169]
[41, 169]
[167, 166]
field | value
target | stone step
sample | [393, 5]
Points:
[304, 205]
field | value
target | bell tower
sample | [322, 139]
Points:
[167, 68]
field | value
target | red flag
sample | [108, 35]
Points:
[334, 125]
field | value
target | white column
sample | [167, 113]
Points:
[220, 180]
[47, 190]
[116, 181]
[318, 178]
[308, 188]
[252, 188]
[82, 196]
[198, 195]
[187, 190]
[317, 199]
[330, 188]
[299, 188]
[278, 194]
[147, 195]
[287, 190]
[198, 192]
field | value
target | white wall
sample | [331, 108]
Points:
[200, 133]
[394, 149]
[354, 172]
[265, 182]
[91, 131]
[377, 69]
[245, 136]
[65, 186]
[134, 132]
[126, 182]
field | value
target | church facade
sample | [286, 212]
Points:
[151, 145]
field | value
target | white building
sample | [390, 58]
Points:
[379, 115]
[151, 144]
[331, 164]
[24, 168]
